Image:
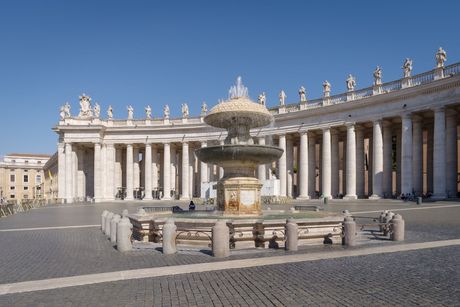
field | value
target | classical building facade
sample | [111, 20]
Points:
[22, 176]
[398, 137]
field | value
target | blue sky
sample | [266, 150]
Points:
[171, 52]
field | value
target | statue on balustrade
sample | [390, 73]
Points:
[204, 108]
[262, 99]
[97, 110]
[351, 83]
[441, 57]
[303, 94]
[185, 110]
[148, 112]
[326, 88]
[110, 112]
[407, 67]
[166, 112]
[130, 112]
[65, 111]
[378, 76]
[282, 97]
[85, 106]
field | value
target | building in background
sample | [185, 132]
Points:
[50, 172]
[22, 176]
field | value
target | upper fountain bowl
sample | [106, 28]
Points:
[241, 109]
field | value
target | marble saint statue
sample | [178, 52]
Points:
[282, 97]
[166, 112]
[148, 112]
[302, 94]
[204, 108]
[85, 106]
[407, 67]
[65, 111]
[441, 57]
[378, 76]
[185, 110]
[326, 88]
[262, 99]
[97, 110]
[351, 83]
[130, 112]
[110, 112]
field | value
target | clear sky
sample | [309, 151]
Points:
[171, 52]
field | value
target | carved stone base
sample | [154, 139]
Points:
[239, 196]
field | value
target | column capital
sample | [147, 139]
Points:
[438, 109]
[350, 124]
[324, 129]
[378, 120]
[204, 143]
[304, 132]
[417, 118]
[406, 115]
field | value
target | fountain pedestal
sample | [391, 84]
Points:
[239, 196]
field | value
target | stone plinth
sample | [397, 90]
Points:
[239, 195]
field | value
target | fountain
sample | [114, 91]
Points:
[238, 192]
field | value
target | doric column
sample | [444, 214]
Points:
[118, 169]
[439, 154]
[74, 173]
[191, 173]
[398, 161]
[167, 172]
[155, 168]
[203, 173]
[136, 168]
[68, 173]
[173, 163]
[110, 172]
[97, 173]
[282, 166]
[148, 171]
[335, 174]
[185, 195]
[351, 163]
[429, 158]
[129, 172]
[387, 160]
[80, 175]
[406, 154]
[289, 165]
[359, 162]
[220, 168]
[261, 169]
[303, 166]
[311, 165]
[451, 153]
[417, 155]
[377, 146]
[61, 171]
[103, 171]
[370, 161]
[326, 165]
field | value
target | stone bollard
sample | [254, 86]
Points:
[220, 239]
[349, 231]
[291, 235]
[419, 200]
[387, 220]
[382, 219]
[113, 228]
[124, 213]
[325, 200]
[124, 232]
[108, 219]
[397, 228]
[103, 215]
[169, 237]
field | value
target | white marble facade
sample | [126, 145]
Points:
[376, 143]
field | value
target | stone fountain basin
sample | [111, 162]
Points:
[239, 155]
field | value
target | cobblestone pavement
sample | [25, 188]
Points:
[417, 278]
[41, 254]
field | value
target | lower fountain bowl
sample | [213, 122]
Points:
[240, 155]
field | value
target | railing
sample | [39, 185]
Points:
[451, 70]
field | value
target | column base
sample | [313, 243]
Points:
[166, 198]
[303, 197]
[129, 198]
[147, 198]
[375, 197]
[350, 197]
[184, 198]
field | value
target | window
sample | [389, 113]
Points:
[26, 178]
[12, 178]
[26, 188]
[39, 162]
[12, 188]
[26, 171]
[27, 161]
[38, 179]
[39, 188]
[12, 196]
[25, 196]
